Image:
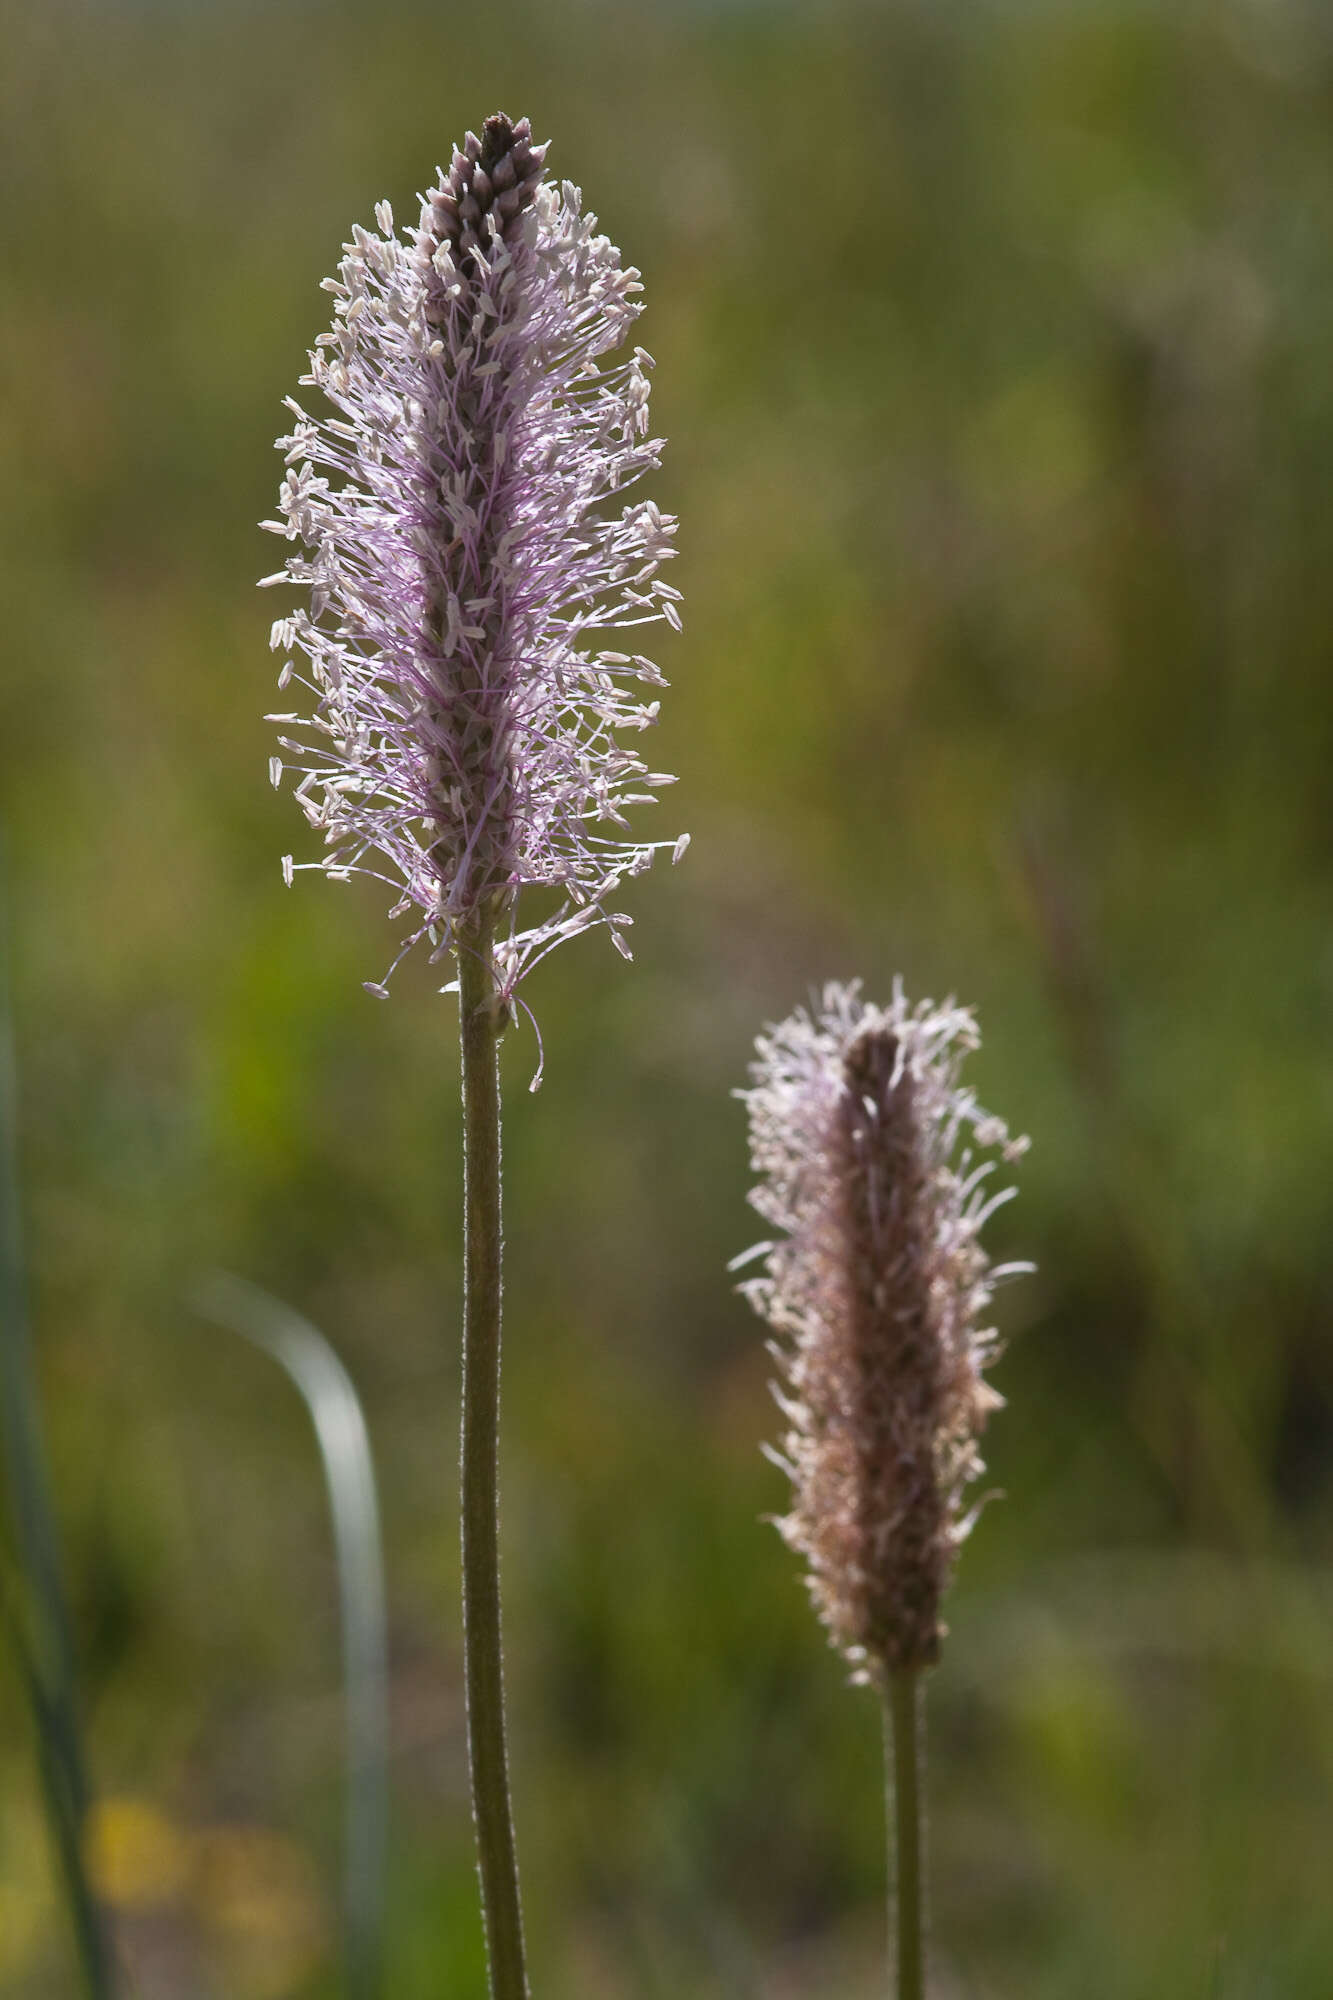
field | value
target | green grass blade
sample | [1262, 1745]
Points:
[340, 1430]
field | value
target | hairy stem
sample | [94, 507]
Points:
[497, 1863]
[904, 1727]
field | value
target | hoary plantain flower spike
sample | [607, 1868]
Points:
[876, 1288]
[465, 566]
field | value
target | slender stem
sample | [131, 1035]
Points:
[904, 1725]
[497, 1863]
[69, 1820]
[41, 1626]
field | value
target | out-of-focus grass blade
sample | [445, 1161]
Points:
[35, 1610]
[344, 1445]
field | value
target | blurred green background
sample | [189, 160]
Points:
[995, 347]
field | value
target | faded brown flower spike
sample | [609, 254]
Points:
[877, 1286]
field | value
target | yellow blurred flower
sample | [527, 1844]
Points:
[137, 1857]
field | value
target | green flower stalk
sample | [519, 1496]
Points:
[470, 567]
[877, 1285]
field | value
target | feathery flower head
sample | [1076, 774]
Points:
[866, 1144]
[463, 564]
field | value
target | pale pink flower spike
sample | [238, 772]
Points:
[876, 1287]
[466, 568]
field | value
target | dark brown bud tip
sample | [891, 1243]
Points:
[490, 183]
[498, 136]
